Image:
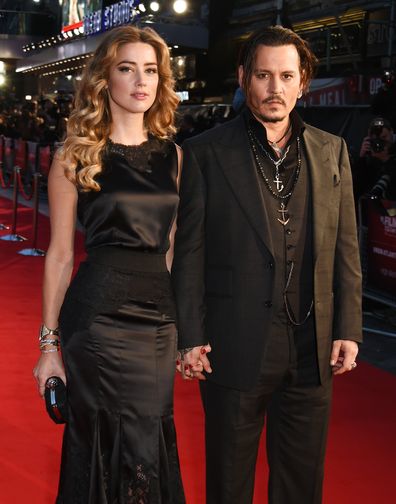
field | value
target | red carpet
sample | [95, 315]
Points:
[362, 443]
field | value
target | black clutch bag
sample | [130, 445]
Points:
[56, 399]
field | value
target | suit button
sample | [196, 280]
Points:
[289, 247]
[268, 304]
[288, 231]
[270, 264]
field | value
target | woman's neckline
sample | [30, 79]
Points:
[128, 146]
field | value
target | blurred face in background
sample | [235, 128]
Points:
[381, 140]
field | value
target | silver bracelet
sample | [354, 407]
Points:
[183, 352]
[46, 331]
[45, 342]
[51, 350]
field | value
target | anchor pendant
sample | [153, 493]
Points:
[285, 217]
[279, 184]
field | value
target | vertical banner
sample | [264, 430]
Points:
[381, 245]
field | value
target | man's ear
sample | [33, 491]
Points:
[240, 75]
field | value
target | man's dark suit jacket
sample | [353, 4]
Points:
[223, 267]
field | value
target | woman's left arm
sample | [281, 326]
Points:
[169, 254]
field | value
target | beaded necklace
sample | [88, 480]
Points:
[282, 198]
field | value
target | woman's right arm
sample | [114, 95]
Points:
[62, 197]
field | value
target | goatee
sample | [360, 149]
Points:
[267, 119]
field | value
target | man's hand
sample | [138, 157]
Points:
[193, 362]
[365, 148]
[343, 356]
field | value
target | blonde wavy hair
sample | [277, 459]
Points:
[88, 127]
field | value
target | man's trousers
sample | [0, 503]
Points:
[296, 408]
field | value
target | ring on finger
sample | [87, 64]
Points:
[353, 365]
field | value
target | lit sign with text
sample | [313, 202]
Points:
[117, 14]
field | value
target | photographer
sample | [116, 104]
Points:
[376, 157]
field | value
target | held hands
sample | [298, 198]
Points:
[192, 363]
[48, 365]
[343, 356]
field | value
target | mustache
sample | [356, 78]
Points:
[274, 98]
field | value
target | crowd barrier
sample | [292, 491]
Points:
[377, 242]
[24, 166]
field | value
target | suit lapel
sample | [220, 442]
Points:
[234, 156]
[323, 180]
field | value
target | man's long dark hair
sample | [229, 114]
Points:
[275, 36]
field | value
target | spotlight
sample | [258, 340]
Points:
[180, 6]
[154, 6]
[142, 7]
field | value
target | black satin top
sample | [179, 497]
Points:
[137, 203]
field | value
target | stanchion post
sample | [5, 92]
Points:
[2, 226]
[34, 251]
[14, 236]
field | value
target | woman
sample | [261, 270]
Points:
[117, 171]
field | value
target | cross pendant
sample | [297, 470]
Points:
[278, 183]
[284, 215]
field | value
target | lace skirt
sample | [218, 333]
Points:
[119, 345]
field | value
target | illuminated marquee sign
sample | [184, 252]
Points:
[117, 14]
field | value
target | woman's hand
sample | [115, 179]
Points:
[48, 365]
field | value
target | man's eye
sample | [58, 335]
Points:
[287, 76]
[261, 75]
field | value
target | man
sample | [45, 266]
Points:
[376, 157]
[267, 279]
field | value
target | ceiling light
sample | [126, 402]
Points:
[154, 6]
[180, 6]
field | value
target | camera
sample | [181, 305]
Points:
[377, 144]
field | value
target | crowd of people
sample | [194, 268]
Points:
[43, 121]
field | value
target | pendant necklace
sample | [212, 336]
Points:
[276, 162]
[282, 198]
[274, 144]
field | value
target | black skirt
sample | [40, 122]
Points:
[118, 339]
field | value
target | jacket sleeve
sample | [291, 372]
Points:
[347, 272]
[189, 256]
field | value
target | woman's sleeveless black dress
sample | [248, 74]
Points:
[118, 337]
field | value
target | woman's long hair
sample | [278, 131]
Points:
[89, 123]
